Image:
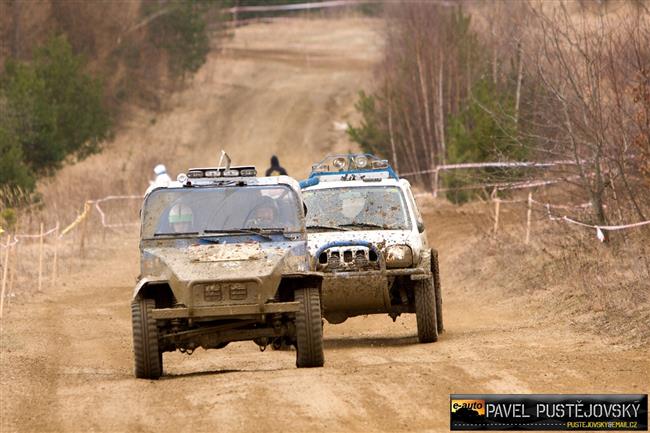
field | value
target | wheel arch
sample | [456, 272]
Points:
[292, 282]
[159, 290]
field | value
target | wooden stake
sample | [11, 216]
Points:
[56, 253]
[528, 216]
[435, 183]
[40, 260]
[13, 259]
[83, 230]
[497, 206]
[5, 270]
[13, 263]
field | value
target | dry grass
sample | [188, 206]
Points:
[567, 275]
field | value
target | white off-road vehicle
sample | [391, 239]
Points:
[366, 234]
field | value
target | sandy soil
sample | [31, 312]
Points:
[66, 352]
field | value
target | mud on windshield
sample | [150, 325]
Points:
[200, 211]
[356, 208]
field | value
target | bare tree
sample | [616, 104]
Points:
[588, 66]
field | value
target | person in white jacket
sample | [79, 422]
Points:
[162, 179]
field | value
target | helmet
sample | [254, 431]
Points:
[159, 169]
[180, 213]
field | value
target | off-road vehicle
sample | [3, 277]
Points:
[224, 258]
[367, 236]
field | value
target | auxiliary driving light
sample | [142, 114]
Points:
[339, 163]
[361, 161]
[380, 163]
[181, 178]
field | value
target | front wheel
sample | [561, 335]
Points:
[425, 311]
[147, 356]
[309, 329]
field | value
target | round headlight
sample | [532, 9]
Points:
[182, 178]
[399, 256]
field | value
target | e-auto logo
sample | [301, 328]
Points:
[467, 410]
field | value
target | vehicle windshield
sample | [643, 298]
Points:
[358, 208]
[214, 210]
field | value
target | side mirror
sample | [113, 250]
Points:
[421, 227]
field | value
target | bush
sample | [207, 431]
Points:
[485, 130]
[371, 135]
[51, 109]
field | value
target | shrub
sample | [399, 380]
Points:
[484, 130]
[51, 110]
[370, 134]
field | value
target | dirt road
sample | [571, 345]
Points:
[67, 366]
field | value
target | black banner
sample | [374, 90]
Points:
[549, 412]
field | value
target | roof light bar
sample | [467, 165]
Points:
[352, 164]
[215, 172]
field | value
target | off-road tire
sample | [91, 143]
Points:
[425, 311]
[147, 356]
[435, 271]
[309, 329]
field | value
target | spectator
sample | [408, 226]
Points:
[276, 169]
[162, 179]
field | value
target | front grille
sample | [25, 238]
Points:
[355, 258]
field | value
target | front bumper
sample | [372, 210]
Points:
[351, 293]
[225, 311]
[414, 273]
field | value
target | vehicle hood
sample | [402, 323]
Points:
[216, 262]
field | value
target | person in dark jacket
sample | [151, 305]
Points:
[275, 169]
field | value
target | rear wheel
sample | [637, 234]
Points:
[309, 329]
[425, 311]
[435, 270]
[146, 354]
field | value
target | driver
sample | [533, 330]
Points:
[264, 215]
[181, 218]
[351, 206]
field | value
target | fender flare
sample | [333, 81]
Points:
[143, 283]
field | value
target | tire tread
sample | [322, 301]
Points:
[146, 355]
[309, 329]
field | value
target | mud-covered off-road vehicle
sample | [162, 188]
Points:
[367, 236]
[224, 258]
